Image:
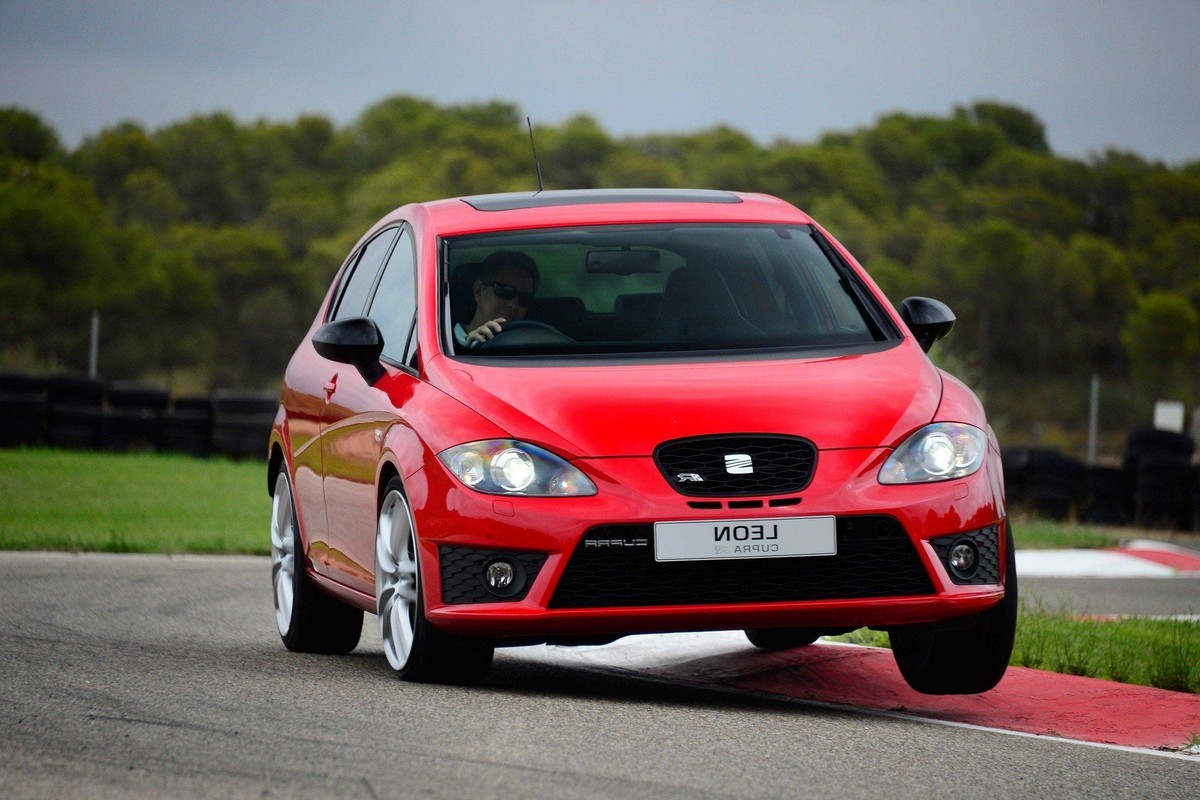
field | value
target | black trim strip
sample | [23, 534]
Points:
[580, 197]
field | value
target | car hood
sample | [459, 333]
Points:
[860, 400]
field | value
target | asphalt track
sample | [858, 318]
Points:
[151, 676]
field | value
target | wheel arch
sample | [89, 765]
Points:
[403, 455]
[387, 471]
[413, 491]
[274, 464]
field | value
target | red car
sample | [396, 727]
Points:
[569, 416]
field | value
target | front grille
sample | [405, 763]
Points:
[987, 542]
[761, 464]
[875, 558]
[462, 573]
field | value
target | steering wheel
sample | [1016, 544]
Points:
[523, 333]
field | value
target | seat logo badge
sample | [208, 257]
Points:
[688, 477]
[739, 464]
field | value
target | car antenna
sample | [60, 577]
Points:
[533, 147]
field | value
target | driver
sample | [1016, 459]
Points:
[503, 291]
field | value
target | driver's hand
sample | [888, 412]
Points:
[485, 331]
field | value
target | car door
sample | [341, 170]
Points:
[350, 299]
[358, 415]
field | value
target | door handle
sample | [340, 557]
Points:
[330, 388]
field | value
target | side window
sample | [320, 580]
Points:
[357, 286]
[396, 299]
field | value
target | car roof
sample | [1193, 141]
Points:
[515, 210]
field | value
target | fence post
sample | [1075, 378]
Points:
[1093, 420]
[94, 347]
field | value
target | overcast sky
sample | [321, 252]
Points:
[1098, 73]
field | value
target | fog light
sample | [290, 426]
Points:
[500, 575]
[504, 577]
[964, 558]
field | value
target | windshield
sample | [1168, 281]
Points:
[656, 289]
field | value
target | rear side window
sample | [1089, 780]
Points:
[360, 276]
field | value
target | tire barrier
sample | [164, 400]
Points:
[1151, 442]
[1105, 497]
[1157, 486]
[242, 422]
[1196, 499]
[1164, 489]
[1043, 479]
[22, 410]
[74, 411]
[1163, 493]
[78, 413]
[133, 417]
[187, 427]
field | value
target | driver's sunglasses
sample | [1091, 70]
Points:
[507, 292]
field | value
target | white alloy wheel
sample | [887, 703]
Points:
[283, 553]
[397, 579]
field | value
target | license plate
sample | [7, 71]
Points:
[745, 538]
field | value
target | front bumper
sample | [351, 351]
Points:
[888, 571]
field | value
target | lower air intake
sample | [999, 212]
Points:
[875, 558]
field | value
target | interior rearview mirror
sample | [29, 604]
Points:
[625, 261]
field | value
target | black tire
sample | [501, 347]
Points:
[415, 649]
[132, 420]
[74, 412]
[74, 390]
[188, 427]
[782, 638]
[22, 409]
[1104, 499]
[309, 621]
[1146, 441]
[1162, 494]
[968, 659]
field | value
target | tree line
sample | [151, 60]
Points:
[205, 245]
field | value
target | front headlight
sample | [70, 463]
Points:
[505, 466]
[938, 452]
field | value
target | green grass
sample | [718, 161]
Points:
[1162, 653]
[131, 503]
[152, 503]
[1040, 534]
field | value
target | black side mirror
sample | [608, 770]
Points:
[355, 341]
[928, 319]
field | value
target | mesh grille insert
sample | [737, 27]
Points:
[988, 543]
[750, 464]
[462, 573]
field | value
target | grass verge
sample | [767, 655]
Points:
[1031, 533]
[1163, 653]
[131, 503]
